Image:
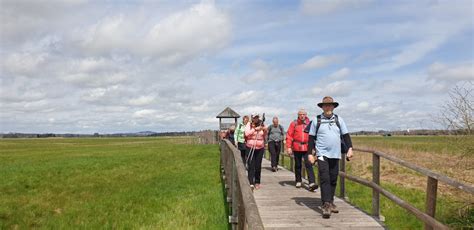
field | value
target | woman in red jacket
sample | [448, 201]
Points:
[255, 133]
[297, 144]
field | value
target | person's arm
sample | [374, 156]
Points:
[347, 140]
[311, 144]
[346, 137]
[249, 130]
[289, 138]
[236, 134]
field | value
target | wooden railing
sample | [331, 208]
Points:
[428, 217]
[243, 209]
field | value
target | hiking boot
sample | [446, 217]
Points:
[298, 184]
[312, 187]
[334, 208]
[326, 210]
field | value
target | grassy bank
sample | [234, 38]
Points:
[151, 183]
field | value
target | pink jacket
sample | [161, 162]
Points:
[254, 138]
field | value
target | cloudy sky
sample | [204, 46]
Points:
[121, 66]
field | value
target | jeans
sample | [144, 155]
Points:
[328, 172]
[274, 147]
[298, 163]
[255, 165]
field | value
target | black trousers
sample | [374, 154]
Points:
[298, 163]
[243, 151]
[274, 147]
[328, 172]
[255, 165]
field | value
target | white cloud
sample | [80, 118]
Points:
[183, 35]
[336, 88]
[142, 100]
[340, 74]
[145, 113]
[453, 73]
[319, 61]
[25, 64]
[323, 7]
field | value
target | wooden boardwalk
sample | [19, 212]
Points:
[282, 206]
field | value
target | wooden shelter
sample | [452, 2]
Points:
[227, 118]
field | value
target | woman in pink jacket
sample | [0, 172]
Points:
[255, 133]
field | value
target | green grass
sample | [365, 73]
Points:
[110, 183]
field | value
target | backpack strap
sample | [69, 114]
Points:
[337, 123]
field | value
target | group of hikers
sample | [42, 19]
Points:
[320, 140]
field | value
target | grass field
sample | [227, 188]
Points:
[110, 183]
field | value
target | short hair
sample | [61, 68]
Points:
[275, 118]
[246, 116]
[302, 110]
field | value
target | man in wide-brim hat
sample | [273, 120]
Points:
[329, 134]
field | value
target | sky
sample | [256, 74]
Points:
[78, 66]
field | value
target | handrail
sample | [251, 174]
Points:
[244, 211]
[431, 190]
[426, 172]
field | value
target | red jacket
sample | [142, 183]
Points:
[296, 138]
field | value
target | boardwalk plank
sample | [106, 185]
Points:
[282, 206]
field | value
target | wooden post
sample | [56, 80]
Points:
[431, 193]
[233, 219]
[342, 183]
[282, 156]
[376, 180]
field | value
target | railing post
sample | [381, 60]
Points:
[234, 218]
[376, 180]
[431, 193]
[282, 156]
[342, 182]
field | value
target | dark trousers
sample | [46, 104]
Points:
[274, 147]
[255, 165]
[243, 151]
[328, 172]
[298, 163]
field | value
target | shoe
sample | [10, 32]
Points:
[273, 169]
[326, 210]
[334, 208]
[313, 187]
[257, 186]
[252, 187]
[298, 184]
